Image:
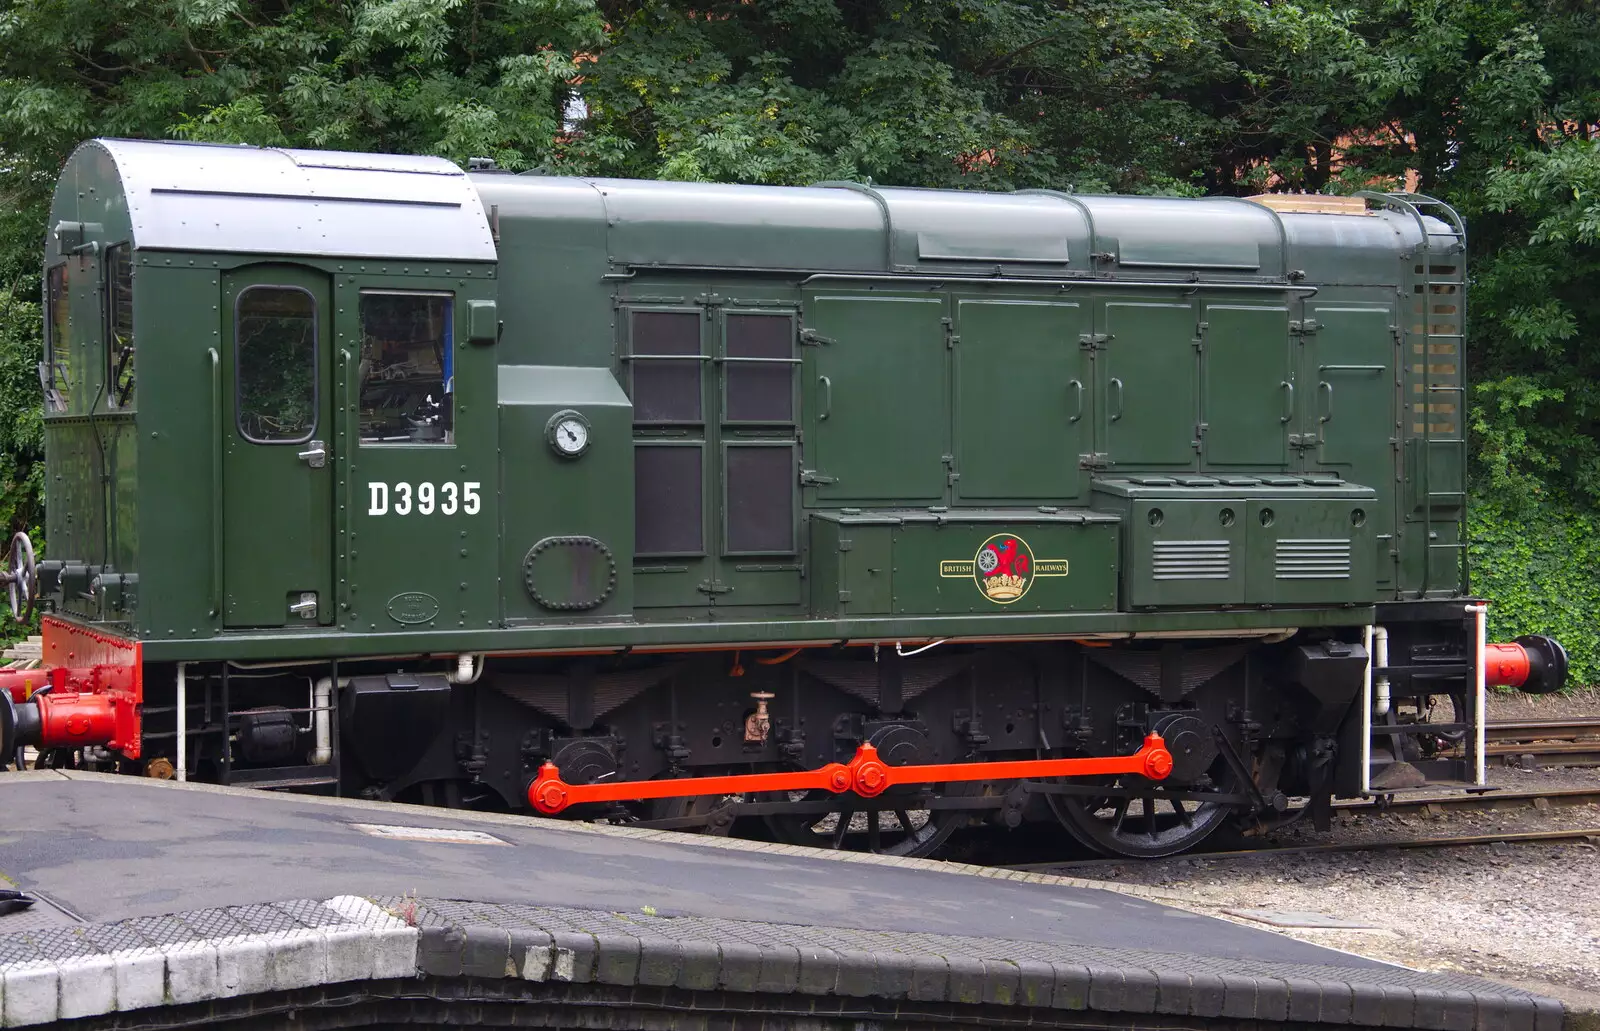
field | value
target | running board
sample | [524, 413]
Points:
[866, 774]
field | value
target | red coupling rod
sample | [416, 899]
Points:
[865, 774]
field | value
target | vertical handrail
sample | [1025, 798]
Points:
[216, 482]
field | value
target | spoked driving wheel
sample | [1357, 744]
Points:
[897, 823]
[21, 577]
[1140, 821]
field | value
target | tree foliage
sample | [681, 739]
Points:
[1493, 104]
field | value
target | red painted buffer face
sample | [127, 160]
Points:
[1535, 664]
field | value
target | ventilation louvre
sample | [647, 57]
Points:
[1190, 560]
[1312, 559]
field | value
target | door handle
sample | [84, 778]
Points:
[1288, 401]
[315, 455]
[1118, 384]
[827, 397]
[1077, 386]
[1326, 386]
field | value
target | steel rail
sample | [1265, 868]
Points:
[1583, 834]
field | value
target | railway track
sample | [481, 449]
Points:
[1384, 805]
[1569, 742]
[1537, 837]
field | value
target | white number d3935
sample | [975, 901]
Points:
[423, 498]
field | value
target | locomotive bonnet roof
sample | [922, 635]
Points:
[252, 200]
[849, 226]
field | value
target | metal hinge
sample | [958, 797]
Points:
[950, 476]
[844, 596]
[1303, 328]
[1304, 440]
[812, 478]
[712, 587]
[1093, 341]
[845, 544]
[1097, 460]
[711, 300]
[812, 338]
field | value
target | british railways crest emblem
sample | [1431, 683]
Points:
[1004, 568]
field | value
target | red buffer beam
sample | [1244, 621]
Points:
[865, 774]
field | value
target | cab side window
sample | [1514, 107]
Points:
[407, 368]
[276, 364]
[119, 326]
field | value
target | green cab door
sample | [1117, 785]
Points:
[1150, 370]
[277, 462]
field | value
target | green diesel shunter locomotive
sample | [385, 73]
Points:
[844, 514]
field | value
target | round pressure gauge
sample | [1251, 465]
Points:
[568, 434]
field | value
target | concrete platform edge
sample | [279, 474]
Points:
[97, 970]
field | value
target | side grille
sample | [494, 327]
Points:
[1312, 559]
[1190, 560]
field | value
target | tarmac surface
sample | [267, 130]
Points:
[137, 869]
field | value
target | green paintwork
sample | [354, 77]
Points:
[268, 566]
[1040, 365]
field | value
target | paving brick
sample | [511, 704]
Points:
[858, 973]
[966, 980]
[1305, 1000]
[572, 956]
[702, 961]
[1000, 978]
[1071, 990]
[930, 979]
[439, 951]
[616, 958]
[1035, 983]
[660, 962]
[1106, 989]
[485, 951]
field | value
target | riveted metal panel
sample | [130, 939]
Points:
[1309, 552]
[1151, 368]
[1185, 551]
[1021, 362]
[1247, 397]
[875, 400]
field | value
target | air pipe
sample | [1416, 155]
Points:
[1380, 660]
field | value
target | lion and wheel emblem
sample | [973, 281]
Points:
[1003, 568]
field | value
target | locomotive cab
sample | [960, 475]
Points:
[255, 357]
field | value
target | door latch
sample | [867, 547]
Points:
[306, 607]
[315, 455]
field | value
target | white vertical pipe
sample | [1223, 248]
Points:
[1480, 613]
[183, 723]
[1366, 716]
[1380, 658]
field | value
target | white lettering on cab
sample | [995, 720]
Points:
[424, 498]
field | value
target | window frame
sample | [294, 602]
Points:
[447, 349]
[726, 519]
[702, 452]
[700, 359]
[727, 362]
[108, 329]
[316, 365]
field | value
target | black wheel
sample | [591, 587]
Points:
[897, 823]
[1148, 825]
